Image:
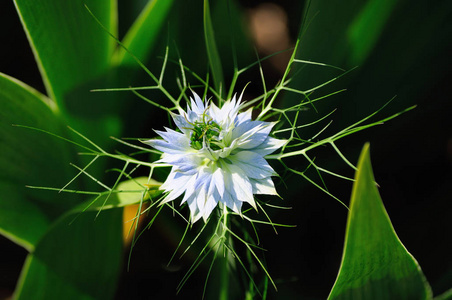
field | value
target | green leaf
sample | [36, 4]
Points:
[447, 295]
[212, 51]
[375, 264]
[77, 261]
[367, 27]
[69, 46]
[29, 158]
[142, 36]
[127, 193]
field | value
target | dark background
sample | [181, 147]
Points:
[411, 155]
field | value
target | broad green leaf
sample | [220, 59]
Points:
[70, 48]
[28, 157]
[375, 264]
[142, 36]
[77, 261]
[212, 51]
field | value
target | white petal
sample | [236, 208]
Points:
[238, 185]
[210, 204]
[195, 213]
[218, 179]
[201, 197]
[228, 112]
[185, 163]
[197, 105]
[175, 183]
[215, 113]
[251, 134]
[181, 122]
[189, 188]
[206, 199]
[174, 142]
[227, 150]
[203, 178]
[252, 164]
[229, 202]
[209, 153]
[269, 146]
[173, 180]
[243, 117]
[264, 186]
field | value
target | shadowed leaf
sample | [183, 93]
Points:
[141, 37]
[28, 157]
[77, 261]
[212, 51]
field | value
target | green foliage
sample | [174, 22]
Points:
[375, 264]
[143, 34]
[74, 54]
[73, 261]
[212, 51]
[70, 51]
[25, 157]
[75, 243]
[127, 193]
[366, 28]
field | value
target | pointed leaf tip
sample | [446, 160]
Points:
[375, 264]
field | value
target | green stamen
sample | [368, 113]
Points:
[205, 129]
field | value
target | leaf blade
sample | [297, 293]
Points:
[129, 192]
[24, 157]
[69, 50]
[212, 50]
[143, 34]
[375, 264]
[77, 261]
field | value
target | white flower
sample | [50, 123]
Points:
[217, 156]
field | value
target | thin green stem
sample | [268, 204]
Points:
[224, 261]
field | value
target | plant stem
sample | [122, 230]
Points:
[224, 261]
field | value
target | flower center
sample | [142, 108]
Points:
[208, 130]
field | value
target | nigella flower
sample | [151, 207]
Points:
[218, 156]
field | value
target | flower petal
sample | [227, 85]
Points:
[218, 179]
[182, 123]
[252, 133]
[195, 213]
[252, 164]
[227, 199]
[211, 203]
[264, 186]
[185, 163]
[173, 142]
[269, 146]
[244, 117]
[175, 183]
[238, 185]
[197, 106]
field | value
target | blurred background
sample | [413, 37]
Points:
[398, 49]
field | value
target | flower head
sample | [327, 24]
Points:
[218, 156]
